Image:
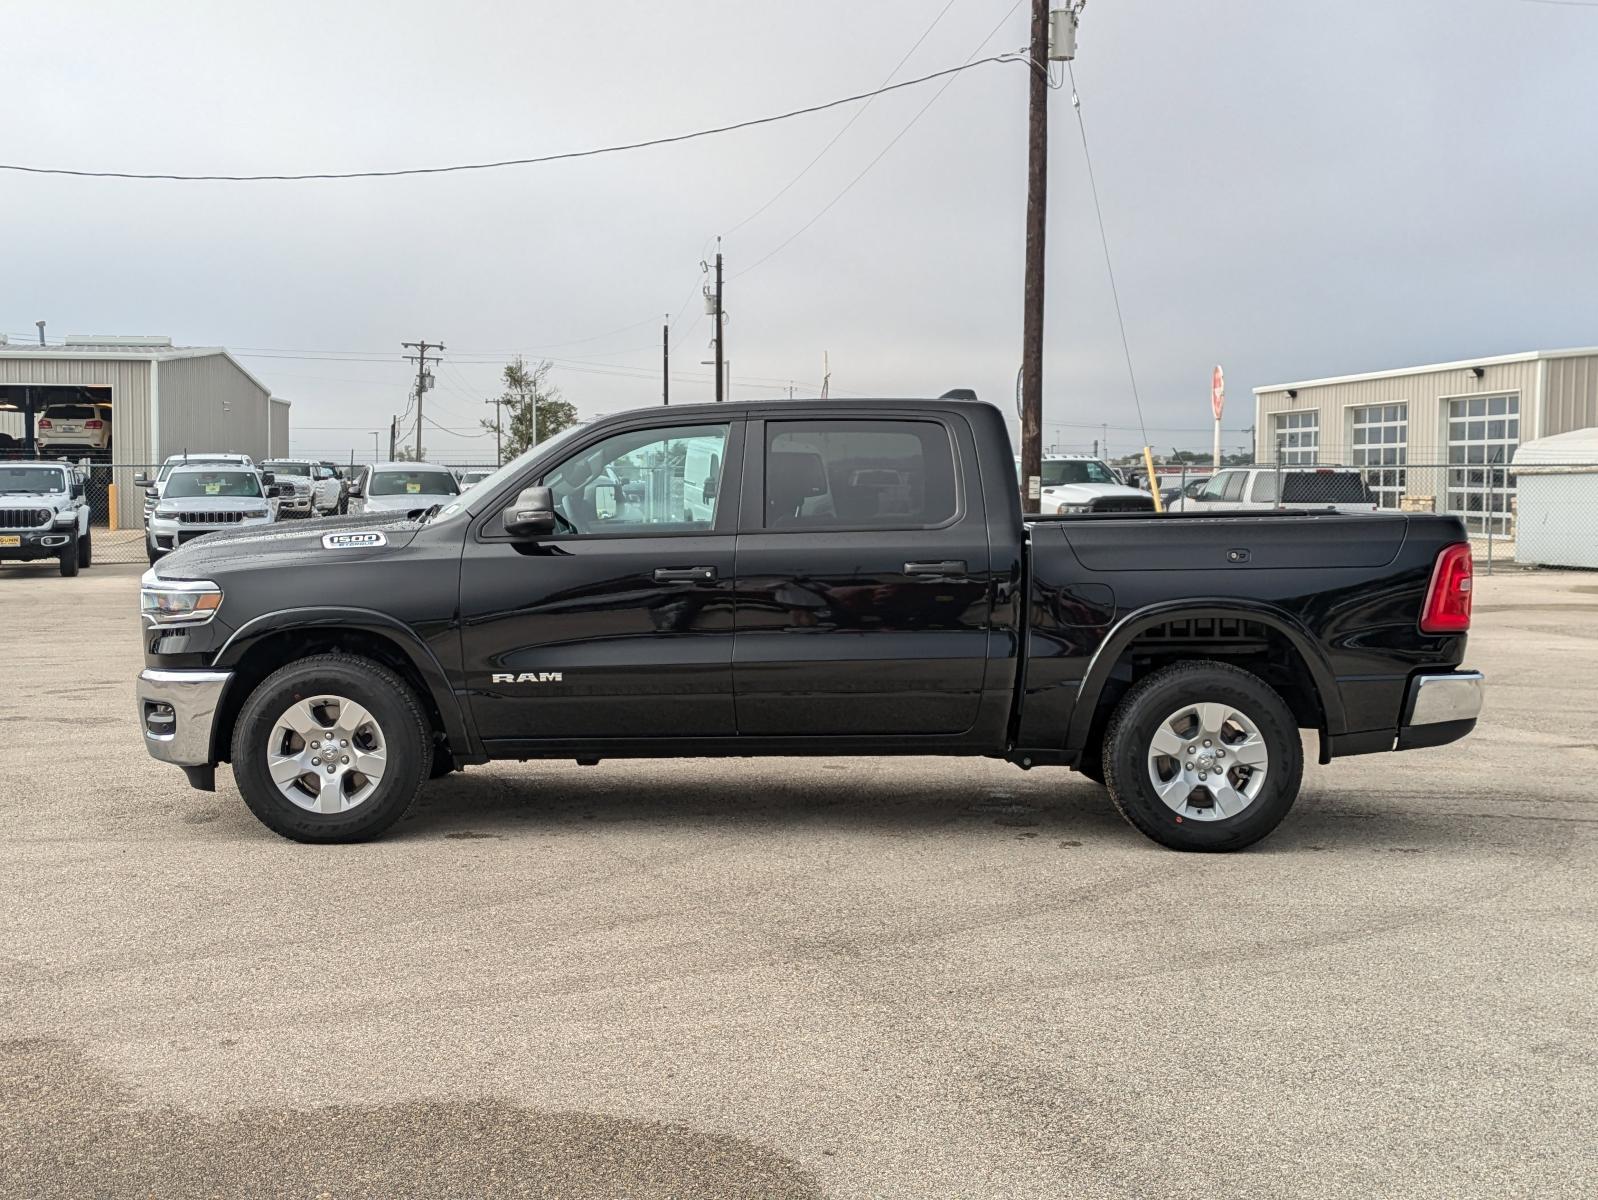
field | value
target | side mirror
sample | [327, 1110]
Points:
[273, 491]
[532, 515]
[268, 478]
[141, 480]
[355, 488]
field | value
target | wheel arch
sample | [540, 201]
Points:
[271, 641]
[1090, 711]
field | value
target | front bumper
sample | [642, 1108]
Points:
[167, 534]
[1440, 709]
[177, 713]
[35, 543]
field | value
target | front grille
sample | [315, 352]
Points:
[1123, 504]
[210, 518]
[24, 518]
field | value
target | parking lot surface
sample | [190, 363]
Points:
[876, 978]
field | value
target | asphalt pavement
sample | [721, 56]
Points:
[842, 978]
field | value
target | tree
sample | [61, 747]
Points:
[408, 454]
[527, 391]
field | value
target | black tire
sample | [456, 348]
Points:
[86, 551]
[407, 736]
[68, 558]
[1150, 702]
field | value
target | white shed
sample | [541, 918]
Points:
[1558, 500]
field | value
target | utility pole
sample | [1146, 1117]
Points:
[499, 454]
[424, 380]
[721, 383]
[665, 360]
[393, 437]
[1037, 187]
[375, 447]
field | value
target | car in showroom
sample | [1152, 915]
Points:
[202, 498]
[402, 486]
[65, 425]
[43, 514]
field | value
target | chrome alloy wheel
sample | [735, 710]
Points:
[1208, 761]
[326, 754]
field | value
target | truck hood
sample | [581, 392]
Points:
[286, 544]
[1084, 493]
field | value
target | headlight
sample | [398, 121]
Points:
[178, 601]
[254, 514]
[1063, 509]
[64, 519]
[164, 512]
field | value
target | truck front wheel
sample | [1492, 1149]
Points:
[1203, 756]
[332, 748]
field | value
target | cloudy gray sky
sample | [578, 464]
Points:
[1292, 189]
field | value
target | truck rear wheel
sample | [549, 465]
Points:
[332, 748]
[1203, 756]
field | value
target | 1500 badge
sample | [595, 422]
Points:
[354, 541]
[529, 677]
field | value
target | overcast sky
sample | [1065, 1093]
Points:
[1292, 189]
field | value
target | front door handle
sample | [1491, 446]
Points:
[685, 575]
[949, 566]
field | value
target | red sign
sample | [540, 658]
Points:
[1217, 392]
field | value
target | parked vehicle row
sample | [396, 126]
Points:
[803, 578]
[202, 498]
[43, 514]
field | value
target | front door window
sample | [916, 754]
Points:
[643, 481]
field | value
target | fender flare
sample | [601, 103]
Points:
[1124, 631]
[457, 724]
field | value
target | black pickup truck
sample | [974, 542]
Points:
[802, 578]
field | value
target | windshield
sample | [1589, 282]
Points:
[413, 483]
[1076, 470]
[213, 483]
[484, 488]
[173, 464]
[288, 468]
[32, 479]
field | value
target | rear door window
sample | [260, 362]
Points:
[1324, 487]
[1264, 489]
[859, 474]
[1232, 485]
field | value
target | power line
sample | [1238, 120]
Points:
[783, 245]
[513, 162]
[849, 124]
[1105, 241]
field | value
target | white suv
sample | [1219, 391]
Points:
[1342, 488]
[154, 487]
[83, 424]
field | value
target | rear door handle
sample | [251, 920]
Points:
[949, 566]
[685, 575]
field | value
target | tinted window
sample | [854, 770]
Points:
[1234, 484]
[665, 480]
[853, 474]
[1324, 487]
[413, 483]
[212, 483]
[287, 468]
[70, 412]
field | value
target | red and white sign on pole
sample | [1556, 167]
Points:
[1217, 403]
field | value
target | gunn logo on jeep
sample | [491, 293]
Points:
[529, 677]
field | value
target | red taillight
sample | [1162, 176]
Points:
[94, 424]
[1447, 608]
[44, 423]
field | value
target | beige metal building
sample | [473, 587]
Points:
[1435, 436]
[164, 399]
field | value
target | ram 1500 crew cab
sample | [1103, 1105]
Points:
[802, 578]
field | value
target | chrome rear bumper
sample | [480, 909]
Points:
[1435, 699]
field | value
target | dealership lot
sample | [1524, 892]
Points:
[793, 978]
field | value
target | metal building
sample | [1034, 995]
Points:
[163, 399]
[1438, 437]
